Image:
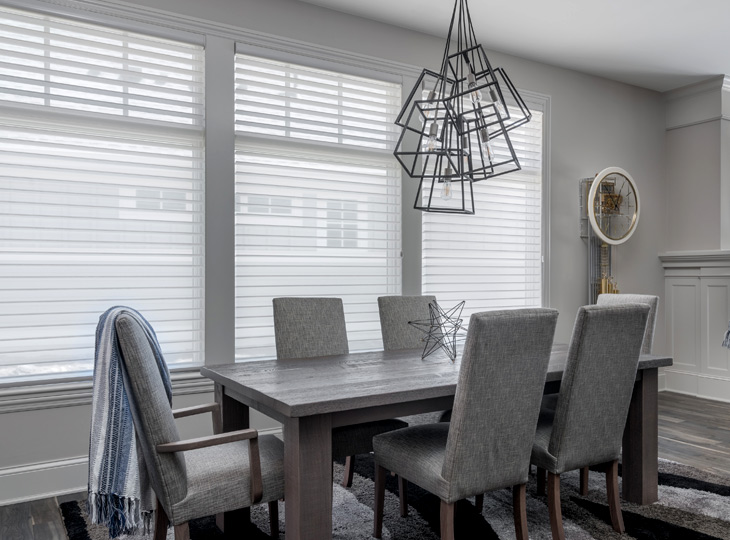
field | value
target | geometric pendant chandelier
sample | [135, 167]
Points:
[455, 123]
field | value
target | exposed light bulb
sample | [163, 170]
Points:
[446, 188]
[430, 143]
[486, 145]
[466, 169]
[497, 102]
[474, 93]
[428, 95]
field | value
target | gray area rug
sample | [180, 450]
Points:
[693, 505]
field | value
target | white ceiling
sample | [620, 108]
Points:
[656, 44]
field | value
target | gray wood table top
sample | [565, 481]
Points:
[305, 387]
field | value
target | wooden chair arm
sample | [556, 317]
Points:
[257, 483]
[211, 440]
[197, 409]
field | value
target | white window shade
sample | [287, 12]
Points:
[492, 260]
[101, 190]
[317, 199]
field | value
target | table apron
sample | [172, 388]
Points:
[384, 412]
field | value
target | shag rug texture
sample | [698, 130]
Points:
[693, 505]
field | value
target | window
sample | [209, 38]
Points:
[318, 196]
[101, 190]
[493, 259]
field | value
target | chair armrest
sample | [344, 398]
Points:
[197, 409]
[257, 484]
[211, 440]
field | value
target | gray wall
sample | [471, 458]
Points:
[595, 123]
[693, 187]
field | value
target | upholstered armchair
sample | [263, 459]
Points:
[196, 477]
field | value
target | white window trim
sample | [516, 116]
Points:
[219, 346]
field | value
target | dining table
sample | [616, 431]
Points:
[312, 396]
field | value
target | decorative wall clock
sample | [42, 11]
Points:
[613, 205]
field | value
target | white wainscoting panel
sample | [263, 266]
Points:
[697, 309]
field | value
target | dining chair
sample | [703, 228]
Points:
[195, 477]
[586, 426]
[487, 444]
[395, 314]
[646, 347]
[311, 327]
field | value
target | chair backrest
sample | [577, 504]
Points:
[597, 383]
[153, 421]
[621, 299]
[307, 327]
[497, 402]
[395, 313]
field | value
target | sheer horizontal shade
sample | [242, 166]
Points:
[101, 190]
[317, 197]
[492, 260]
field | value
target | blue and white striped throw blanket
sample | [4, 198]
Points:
[120, 494]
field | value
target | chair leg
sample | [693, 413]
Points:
[182, 531]
[447, 520]
[541, 480]
[380, 473]
[614, 504]
[479, 502]
[584, 481]
[556, 515]
[519, 509]
[274, 519]
[349, 470]
[161, 522]
[403, 496]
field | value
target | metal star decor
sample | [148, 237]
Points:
[441, 330]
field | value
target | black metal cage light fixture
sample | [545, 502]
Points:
[455, 123]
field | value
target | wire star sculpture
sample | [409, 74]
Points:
[441, 330]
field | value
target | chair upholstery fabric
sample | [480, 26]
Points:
[488, 442]
[194, 483]
[219, 477]
[395, 313]
[622, 299]
[152, 415]
[308, 327]
[586, 425]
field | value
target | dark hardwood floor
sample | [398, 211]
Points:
[692, 431]
[695, 431]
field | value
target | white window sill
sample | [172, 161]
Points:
[31, 395]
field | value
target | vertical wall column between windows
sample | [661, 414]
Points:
[219, 202]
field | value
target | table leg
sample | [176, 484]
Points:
[308, 477]
[234, 415]
[641, 441]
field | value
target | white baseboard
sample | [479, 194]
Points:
[43, 480]
[53, 478]
[697, 384]
[662, 381]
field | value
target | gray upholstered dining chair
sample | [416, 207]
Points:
[395, 313]
[196, 477]
[586, 426]
[309, 327]
[623, 299]
[646, 347]
[487, 444]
